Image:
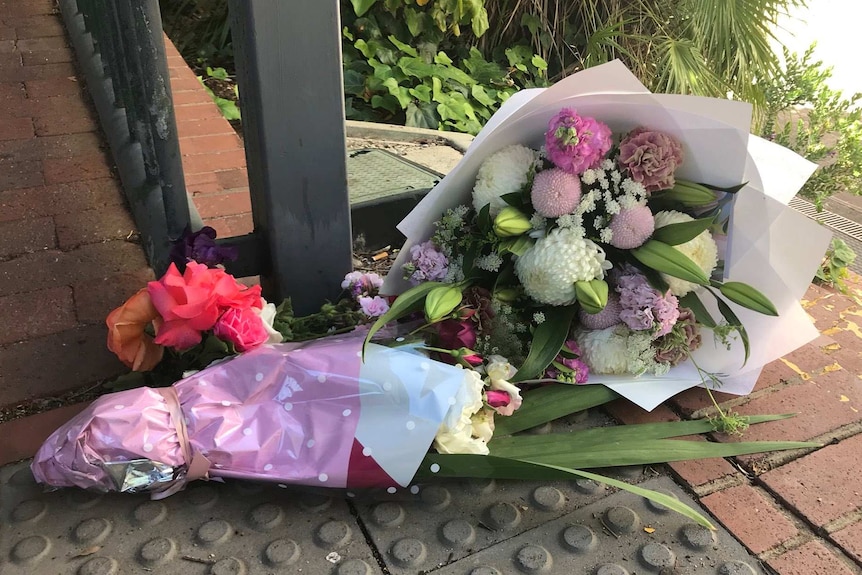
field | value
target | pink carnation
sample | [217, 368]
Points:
[555, 193]
[373, 306]
[242, 327]
[651, 158]
[632, 227]
[576, 143]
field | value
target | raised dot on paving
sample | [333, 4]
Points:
[503, 516]
[203, 497]
[578, 539]
[482, 485]
[315, 502]
[484, 570]
[611, 569]
[157, 551]
[29, 511]
[533, 559]
[150, 513]
[621, 520]
[80, 499]
[435, 498]
[736, 568]
[266, 516]
[657, 556]
[697, 536]
[30, 549]
[333, 534]
[282, 552]
[229, 566]
[588, 486]
[213, 532]
[93, 530]
[22, 477]
[388, 514]
[99, 566]
[457, 533]
[354, 567]
[408, 552]
[548, 498]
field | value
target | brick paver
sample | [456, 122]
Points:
[850, 539]
[813, 558]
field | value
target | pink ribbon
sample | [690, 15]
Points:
[197, 465]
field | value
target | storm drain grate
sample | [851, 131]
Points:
[828, 219]
[373, 175]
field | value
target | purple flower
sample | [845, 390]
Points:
[644, 307]
[651, 158]
[202, 248]
[362, 284]
[426, 263]
[576, 143]
[373, 306]
[580, 371]
[683, 338]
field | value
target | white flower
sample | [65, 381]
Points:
[500, 371]
[538, 318]
[483, 424]
[701, 250]
[618, 350]
[504, 172]
[267, 315]
[589, 177]
[490, 262]
[456, 432]
[549, 269]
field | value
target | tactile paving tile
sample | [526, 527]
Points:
[375, 174]
[238, 528]
[444, 522]
[623, 534]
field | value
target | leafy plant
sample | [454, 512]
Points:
[200, 30]
[228, 107]
[819, 123]
[833, 269]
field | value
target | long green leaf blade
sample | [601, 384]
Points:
[548, 338]
[436, 465]
[701, 314]
[747, 296]
[406, 303]
[679, 233]
[668, 260]
[515, 446]
[553, 402]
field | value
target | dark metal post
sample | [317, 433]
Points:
[288, 57]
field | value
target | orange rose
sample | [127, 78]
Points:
[126, 335]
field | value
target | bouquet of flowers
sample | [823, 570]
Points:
[553, 255]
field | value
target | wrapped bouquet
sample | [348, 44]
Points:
[593, 233]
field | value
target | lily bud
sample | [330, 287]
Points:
[592, 295]
[511, 222]
[506, 295]
[441, 301]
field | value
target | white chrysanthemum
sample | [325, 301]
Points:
[504, 172]
[701, 250]
[605, 350]
[549, 269]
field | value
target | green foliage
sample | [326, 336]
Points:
[199, 29]
[410, 64]
[833, 269]
[228, 108]
[805, 115]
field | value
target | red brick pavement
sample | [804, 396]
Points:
[67, 257]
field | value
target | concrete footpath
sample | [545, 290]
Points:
[68, 254]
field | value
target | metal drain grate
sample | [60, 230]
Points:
[373, 175]
[828, 219]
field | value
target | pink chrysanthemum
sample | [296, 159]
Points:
[608, 317]
[576, 143]
[555, 192]
[632, 227]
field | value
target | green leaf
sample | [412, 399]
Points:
[422, 116]
[360, 7]
[422, 92]
[406, 303]
[749, 297]
[437, 465]
[400, 92]
[416, 67]
[517, 245]
[354, 82]
[731, 318]
[548, 337]
[363, 47]
[217, 73]
[454, 74]
[701, 314]
[539, 63]
[415, 21]
[406, 48]
[518, 445]
[442, 58]
[679, 233]
[483, 219]
[388, 102]
[481, 96]
[551, 402]
[669, 260]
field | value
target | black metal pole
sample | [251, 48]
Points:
[288, 57]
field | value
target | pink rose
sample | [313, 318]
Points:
[242, 327]
[192, 302]
[373, 306]
[651, 158]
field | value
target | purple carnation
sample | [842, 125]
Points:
[201, 247]
[651, 158]
[426, 263]
[576, 143]
[580, 370]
